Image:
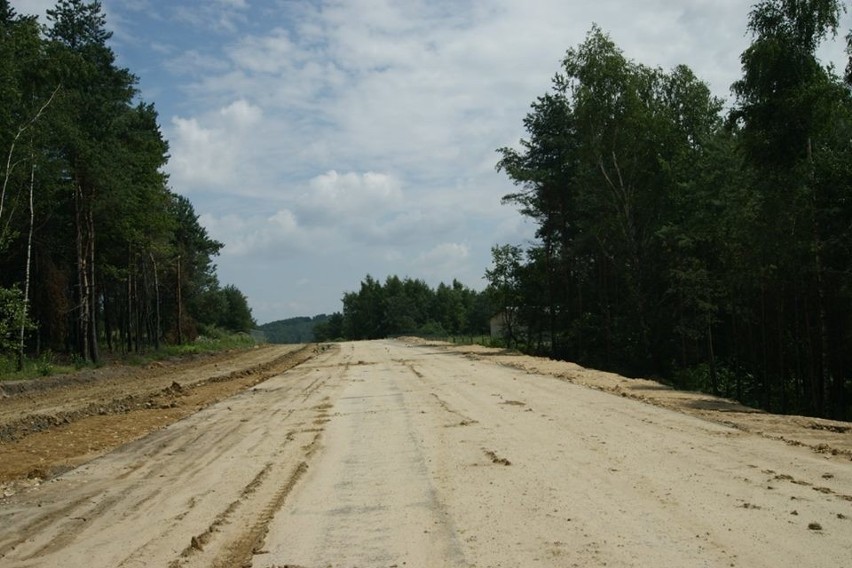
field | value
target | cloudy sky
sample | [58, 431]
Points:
[324, 140]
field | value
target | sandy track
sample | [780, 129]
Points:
[386, 454]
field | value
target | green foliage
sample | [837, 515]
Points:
[849, 53]
[505, 281]
[44, 364]
[408, 307]
[215, 341]
[13, 315]
[226, 307]
[431, 329]
[237, 314]
[331, 329]
[783, 91]
[212, 340]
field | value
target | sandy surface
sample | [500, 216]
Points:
[410, 454]
[820, 435]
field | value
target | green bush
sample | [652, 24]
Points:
[432, 329]
[212, 339]
[12, 315]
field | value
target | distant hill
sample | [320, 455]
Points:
[292, 330]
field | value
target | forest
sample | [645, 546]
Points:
[408, 307]
[96, 251]
[707, 246]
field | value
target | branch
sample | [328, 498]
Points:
[606, 175]
[617, 195]
[21, 129]
[618, 171]
[622, 198]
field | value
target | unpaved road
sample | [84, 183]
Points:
[382, 454]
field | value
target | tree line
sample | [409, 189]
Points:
[407, 307]
[96, 251]
[676, 238]
[293, 330]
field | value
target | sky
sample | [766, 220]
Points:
[325, 140]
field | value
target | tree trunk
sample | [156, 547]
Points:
[711, 355]
[138, 315]
[82, 277]
[156, 304]
[25, 311]
[767, 388]
[93, 304]
[109, 322]
[179, 306]
[129, 328]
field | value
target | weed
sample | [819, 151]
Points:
[44, 364]
[78, 361]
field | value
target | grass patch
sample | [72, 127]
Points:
[209, 343]
[42, 366]
[214, 340]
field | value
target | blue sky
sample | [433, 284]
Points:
[324, 140]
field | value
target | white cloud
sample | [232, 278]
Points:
[352, 193]
[241, 115]
[275, 237]
[200, 156]
[443, 257]
[213, 156]
[221, 16]
[193, 63]
[452, 252]
[333, 214]
[272, 53]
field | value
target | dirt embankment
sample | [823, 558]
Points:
[48, 426]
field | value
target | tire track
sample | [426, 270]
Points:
[241, 552]
[238, 532]
[465, 420]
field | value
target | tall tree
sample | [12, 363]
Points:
[194, 272]
[504, 280]
[787, 111]
[26, 93]
[237, 315]
[24, 102]
[608, 152]
[96, 92]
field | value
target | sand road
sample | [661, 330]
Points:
[381, 454]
